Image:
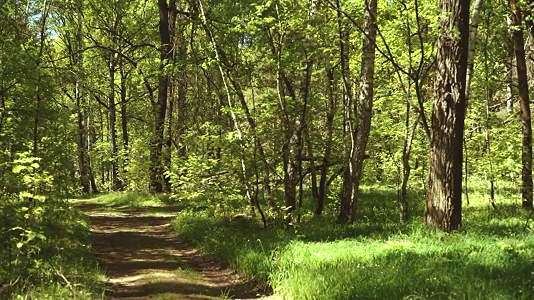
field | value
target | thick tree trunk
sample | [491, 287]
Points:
[526, 157]
[366, 99]
[167, 14]
[171, 96]
[444, 191]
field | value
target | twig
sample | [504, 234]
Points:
[69, 285]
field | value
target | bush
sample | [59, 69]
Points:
[44, 250]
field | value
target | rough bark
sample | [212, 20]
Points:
[526, 122]
[167, 13]
[444, 190]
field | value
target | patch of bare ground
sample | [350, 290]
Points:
[143, 259]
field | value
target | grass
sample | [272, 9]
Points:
[45, 252]
[125, 200]
[490, 257]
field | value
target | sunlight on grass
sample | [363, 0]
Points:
[490, 257]
[124, 200]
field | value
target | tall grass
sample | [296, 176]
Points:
[491, 257]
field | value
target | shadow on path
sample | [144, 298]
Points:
[144, 260]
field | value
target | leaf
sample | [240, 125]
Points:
[20, 244]
[18, 168]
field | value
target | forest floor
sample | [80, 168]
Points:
[143, 259]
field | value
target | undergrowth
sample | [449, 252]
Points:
[45, 251]
[491, 257]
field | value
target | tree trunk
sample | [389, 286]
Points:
[167, 135]
[366, 99]
[348, 122]
[407, 148]
[329, 125]
[309, 148]
[475, 20]
[252, 124]
[169, 120]
[80, 108]
[248, 190]
[444, 191]
[301, 127]
[489, 103]
[112, 115]
[38, 90]
[509, 63]
[526, 157]
[167, 13]
[124, 119]
[181, 90]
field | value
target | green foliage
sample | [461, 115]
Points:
[491, 257]
[45, 250]
[44, 241]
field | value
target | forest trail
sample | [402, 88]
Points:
[143, 259]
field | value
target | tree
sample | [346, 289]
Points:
[444, 190]
[359, 131]
[526, 122]
[366, 98]
[167, 19]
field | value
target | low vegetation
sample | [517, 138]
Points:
[491, 257]
[45, 251]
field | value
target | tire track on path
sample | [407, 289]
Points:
[143, 259]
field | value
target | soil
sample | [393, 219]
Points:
[143, 259]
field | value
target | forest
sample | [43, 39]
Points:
[277, 149]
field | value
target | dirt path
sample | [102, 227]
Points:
[144, 260]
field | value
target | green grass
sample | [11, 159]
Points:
[125, 200]
[491, 257]
[45, 252]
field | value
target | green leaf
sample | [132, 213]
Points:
[18, 168]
